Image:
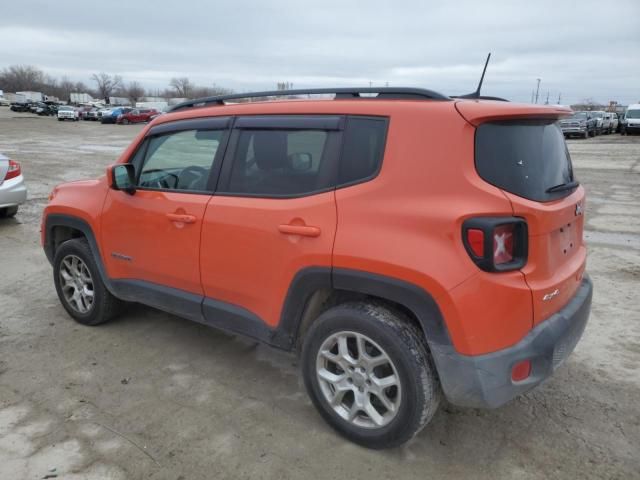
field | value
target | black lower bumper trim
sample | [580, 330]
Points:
[484, 381]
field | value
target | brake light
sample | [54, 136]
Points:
[14, 170]
[503, 244]
[496, 244]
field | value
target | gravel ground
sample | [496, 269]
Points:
[156, 397]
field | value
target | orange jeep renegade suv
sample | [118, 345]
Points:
[410, 245]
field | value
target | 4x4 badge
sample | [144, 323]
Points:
[578, 209]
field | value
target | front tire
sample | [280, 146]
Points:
[79, 285]
[369, 374]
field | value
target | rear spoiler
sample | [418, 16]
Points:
[476, 112]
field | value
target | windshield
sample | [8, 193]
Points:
[65, 108]
[633, 114]
[596, 114]
[524, 157]
[579, 115]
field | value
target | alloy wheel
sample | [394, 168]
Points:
[358, 380]
[76, 283]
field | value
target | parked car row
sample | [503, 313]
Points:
[39, 108]
[111, 114]
[587, 124]
[121, 115]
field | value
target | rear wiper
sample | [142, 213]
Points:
[563, 186]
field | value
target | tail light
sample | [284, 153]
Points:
[14, 170]
[496, 244]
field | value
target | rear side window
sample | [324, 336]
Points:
[525, 158]
[362, 150]
[281, 162]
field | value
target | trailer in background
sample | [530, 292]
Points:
[14, 98]
[32, 96]
[159, 106]
[78, 98]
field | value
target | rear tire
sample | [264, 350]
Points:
[79, 284]
[586, 134]
[8, 212]
[380, 398]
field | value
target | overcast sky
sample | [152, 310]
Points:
[580, 49]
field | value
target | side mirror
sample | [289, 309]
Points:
[301, 162]
[123, 177]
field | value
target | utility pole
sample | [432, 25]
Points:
[547, 102]
[370, 83]
[559, 96]
[538, 89]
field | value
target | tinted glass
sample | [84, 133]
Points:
[180, 160]
[280, 162]
[524, 157]
[362, 150]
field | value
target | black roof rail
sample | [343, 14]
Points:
[386, 93]
[481, 97]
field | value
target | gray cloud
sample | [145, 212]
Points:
[583, 49]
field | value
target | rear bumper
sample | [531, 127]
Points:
[13, 192]
[484, 381]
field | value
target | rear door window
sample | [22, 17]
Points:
[283, 156]
[524, 157]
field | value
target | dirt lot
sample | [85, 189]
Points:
[156, 397]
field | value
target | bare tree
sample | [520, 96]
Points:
[284, 86]
[21, 77]
[135, 92]
[106, 84]
[65, 88]
[182, 86]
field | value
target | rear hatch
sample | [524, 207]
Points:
[527, 158]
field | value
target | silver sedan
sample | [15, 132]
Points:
[13, 191]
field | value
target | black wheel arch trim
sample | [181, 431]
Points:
[414, 298]
[61, 220]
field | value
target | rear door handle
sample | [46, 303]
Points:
[181, 217]
[304, 230]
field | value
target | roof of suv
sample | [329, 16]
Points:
[474, 111]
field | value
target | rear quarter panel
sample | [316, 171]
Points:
[407, 224]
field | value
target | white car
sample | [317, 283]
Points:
[67, 113]
[13, 192]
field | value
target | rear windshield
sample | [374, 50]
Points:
[525, 158]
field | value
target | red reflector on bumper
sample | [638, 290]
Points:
[521, 370]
